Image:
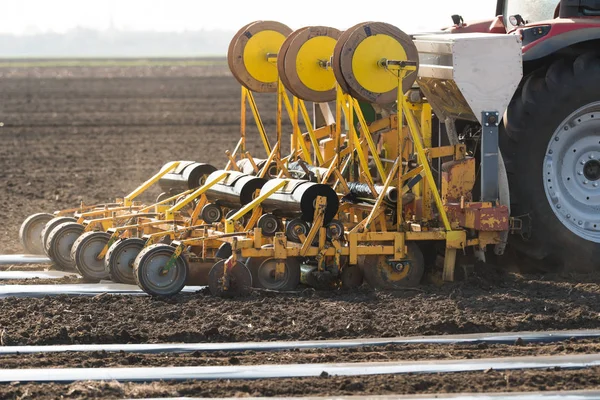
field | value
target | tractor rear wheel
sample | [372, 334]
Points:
[552, 149]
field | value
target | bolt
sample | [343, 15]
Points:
[568, 215]
[580, 173]
[586, 182]
[582, 162]
[566, 128]
[556, 139]
[595, 184]
[558, 206]
[592, 156]
[550, 152]
[580, 223]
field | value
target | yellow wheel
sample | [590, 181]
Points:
[357, 61]
[249, 51]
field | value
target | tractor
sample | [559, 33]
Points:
[550, 136]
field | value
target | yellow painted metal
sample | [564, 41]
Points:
[232, 162]
[255, 55]
[449, 265]
[258, 120]
[310, 72]
[128, 200]
[416, 136]
[456, 239]
[270, 158]
[365, 62]
[320, 205]
[369, 138]
[379, 200]
[170, 213]
[229, 226]
[297, 136]
[311, 133]
[280, 90]
[242, 142]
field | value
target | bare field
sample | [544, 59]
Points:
[93, 133]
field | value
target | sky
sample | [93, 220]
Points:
[39, 16]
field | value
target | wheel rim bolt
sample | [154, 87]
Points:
[596, 184]
[580, 173]
[580, 222]
[585, 182]
[568, 215]
[592, 156]
[558, 206]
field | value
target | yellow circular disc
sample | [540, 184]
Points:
[365, 60]
[312, 75]
[255, 55]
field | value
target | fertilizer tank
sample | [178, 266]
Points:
[187, 175]
[235, 191]
[297, 198]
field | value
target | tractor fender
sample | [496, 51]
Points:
[560, 40]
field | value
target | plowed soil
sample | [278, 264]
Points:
[70, 135]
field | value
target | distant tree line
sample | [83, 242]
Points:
[116, 43]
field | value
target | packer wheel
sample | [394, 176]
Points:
[30, 233]
[59, 244]
[149, 274]
[120, 258]
[381, 274]
[240, 280]
[266, 279]
[85, 253]
[50, 225]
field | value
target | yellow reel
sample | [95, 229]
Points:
[304, 65]
[252, 53]
[357, 56]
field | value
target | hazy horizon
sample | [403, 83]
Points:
[189, 28]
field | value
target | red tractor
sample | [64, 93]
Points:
[550, 139]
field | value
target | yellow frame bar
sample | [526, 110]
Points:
[170, 213]
[128, 200]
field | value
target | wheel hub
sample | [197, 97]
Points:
[572, 172]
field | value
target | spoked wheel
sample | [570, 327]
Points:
[30, 232]
[59, 244]
[120, 257]
[85, 253]
[380, 273]
[150, 274]
[240, 280]
[50, 225]
[267, 279]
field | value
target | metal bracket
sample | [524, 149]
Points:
[489, 156]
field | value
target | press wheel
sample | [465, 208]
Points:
[266, 275]
[359, 57]
[248, 56]
[120, 257]
[149, 274]
[59, 244]
[240, 280]
[304, 64]
[85, 253]
[379, 274]
[30, 233]
[50, 225]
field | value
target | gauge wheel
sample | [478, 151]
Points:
[149, 273]
[30, 233]
[59, 244]
[120, 258]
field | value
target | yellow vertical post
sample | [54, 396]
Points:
[426, 133]
[278, 127]
[295, 128]
[338, 123]
[243, 119]
[401, 138]
[351, 141]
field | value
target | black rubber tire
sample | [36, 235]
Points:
[132, 246]
[30, 233]
[545, 99]
[91, 269]
[143, 273]
[50, 225]
[59, 251]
